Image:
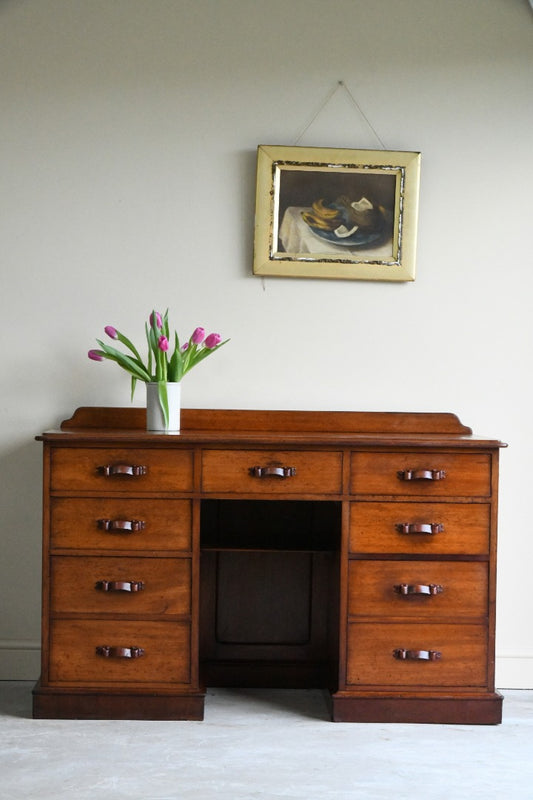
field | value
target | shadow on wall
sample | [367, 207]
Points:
[20, 566]
[245, 163]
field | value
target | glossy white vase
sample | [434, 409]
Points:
[155, 418]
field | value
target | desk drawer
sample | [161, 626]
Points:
[74, 658]
[120, 524]
[432, 474]
[107, 585]
[373, 651]
[271, 472]
[461, 528]
[125, 470]
[409, 589]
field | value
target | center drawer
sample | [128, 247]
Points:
[107, 585]
[268, 472]
[121, 469]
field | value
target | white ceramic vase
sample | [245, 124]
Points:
[155, 418]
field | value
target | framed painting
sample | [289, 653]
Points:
[336, 213]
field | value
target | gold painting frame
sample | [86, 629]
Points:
[336, 213]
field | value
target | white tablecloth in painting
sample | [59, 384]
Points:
[297, 237]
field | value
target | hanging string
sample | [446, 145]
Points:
[358, 107]
[329, 97]
[331, 94]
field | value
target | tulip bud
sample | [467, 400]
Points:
[198, 336]
[96, 355]
[111, 332]
[213, 340]
[184, 347]
[162, 343]
[158, 323]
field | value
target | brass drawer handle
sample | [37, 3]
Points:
[418, 588]
[111, 470]
[119, 586]
[423, 527]
[421, 474]
[276, 472]
[122, 525]
[416, 655]
[108, 651]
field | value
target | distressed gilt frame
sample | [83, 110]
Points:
[290, 179]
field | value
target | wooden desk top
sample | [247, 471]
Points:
[237, 427]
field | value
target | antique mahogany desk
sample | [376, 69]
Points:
[355, 552]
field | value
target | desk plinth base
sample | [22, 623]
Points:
[472, 709]
[51, 703]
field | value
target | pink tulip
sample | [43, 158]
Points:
[158, 320]
[198, 336]
[184, 347]
[162, 343]
[213, 340]
[96, 355]
[111, 332]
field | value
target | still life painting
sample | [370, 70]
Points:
[329, 213]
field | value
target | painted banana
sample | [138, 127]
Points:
[315, 221]
[324, 211]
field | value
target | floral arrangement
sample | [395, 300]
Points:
[162, 366]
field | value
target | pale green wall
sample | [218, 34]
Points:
[128, 133]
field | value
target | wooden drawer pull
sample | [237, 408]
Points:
[421, 474]
[110, 470]
[276, 472]
[418, 588]
[122, 525]
[416, 655]
[119, 586]
[108, 651]
[423, 527]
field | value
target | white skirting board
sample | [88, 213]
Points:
[21, 660]
[514, 672]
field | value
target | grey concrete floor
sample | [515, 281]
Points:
[261, 745]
